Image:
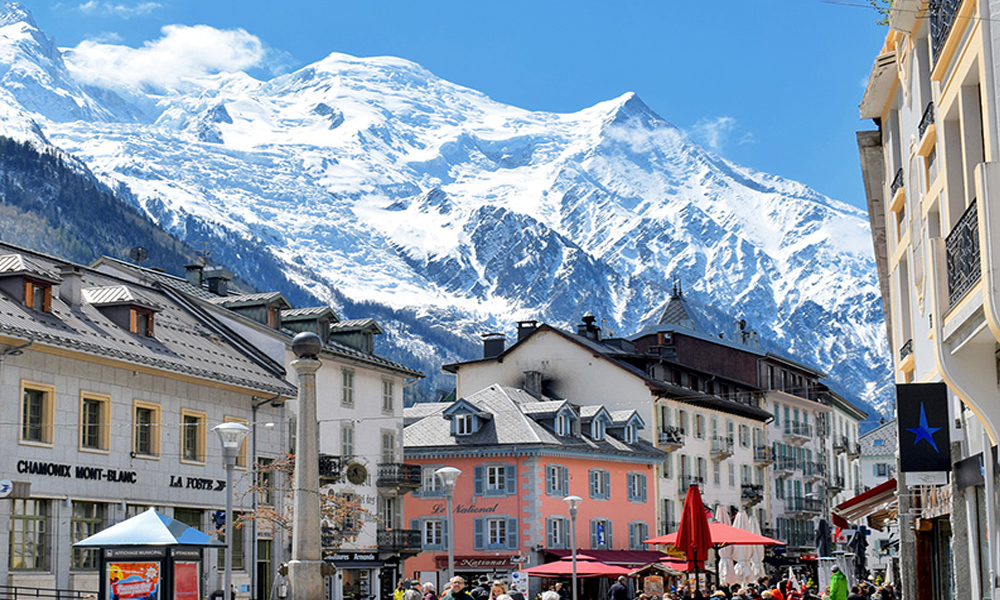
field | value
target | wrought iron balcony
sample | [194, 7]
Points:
[687, 481]
[672, 437]
[814, 470]
[798, 430]
[784, 465]
[399, 541]
[751, 493]
[398, 475]
[800, 540]
[927, 120]
[840, 444]
[906, 350]
[942, 14]
[836, 485]
[804, 505]
[853, 450]
[722, 447]
[762, 455]
[962, 255]
[897, 182]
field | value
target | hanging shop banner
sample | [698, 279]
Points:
[924, 436]
[134, 580]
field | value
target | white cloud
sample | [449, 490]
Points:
[177, 60]
[713, 133]
[121, 9]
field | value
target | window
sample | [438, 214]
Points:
[94, 422]
[141, 322]
[637, 532]
[699, 426]
[496, 533]
[431, 484]
[433, 533]
[600, 484]
[777, 411]
[192, 436]
[238, 543]
[463, 424]
[38, 295]
[630, 434]
[881, 470]
[496, 479]
[636, 487]
[682, 421]
[346, 439]
[557, 532]
[744, 436]
[388, 391]
[191, 517]
[146, 429]
[716, 473]
[597, 429]
[388, 455]
[563, 425]
[36, 413]
[29, 535]
[88, 519]
[347, 387]
[265, 482]
[556, 480]
[732, 476]
[241, 458]
[600, 534]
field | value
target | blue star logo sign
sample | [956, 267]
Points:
[924, 432]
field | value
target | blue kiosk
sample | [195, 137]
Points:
[150, 557]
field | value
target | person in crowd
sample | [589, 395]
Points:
[428, 589]
[550, 595]
[497, 589]
[401, 588]
[838, 585]
[413, 593]
[619, 591]
[458, 591]
[514, 593]
[560, 588]
[481, 591]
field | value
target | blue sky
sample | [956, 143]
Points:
[770, 84]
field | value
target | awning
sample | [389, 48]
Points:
[877, 505]
[628, 558]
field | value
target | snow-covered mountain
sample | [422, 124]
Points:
[372, 179]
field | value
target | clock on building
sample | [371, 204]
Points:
[357, 473]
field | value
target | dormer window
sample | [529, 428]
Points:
[141, 322]
[463, 424]
[38, 295]
[630, 434]
[563, 425]
[597, 430]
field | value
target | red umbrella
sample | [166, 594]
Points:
[693, 536]
[721, 535]
[585, 567]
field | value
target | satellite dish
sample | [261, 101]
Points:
[138, 254]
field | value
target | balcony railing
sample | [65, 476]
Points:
[814, 469]
[906, 350]
[804, 505]
[927, 120]
[897, 182]
[840, 444]
[836, 484]
[399, 540]
[687, 481]
[763, 455]
[853, 450]
[672, 437]
[398, 475]
[799, 540]
[962, 255]
[942, 14]
[722, 447]
[798, 429]
[784, 463]
[751, 493]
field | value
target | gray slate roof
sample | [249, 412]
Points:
[888, 433]
[116, 294]
[235, 300]
[294, 314]
[18, 263]
[509, 427]
[354, 325]
[187, 341]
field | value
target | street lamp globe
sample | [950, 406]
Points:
[448, 476]
[231, 435]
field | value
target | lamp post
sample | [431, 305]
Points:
[573, 502]
[448, 476]
[231, 435]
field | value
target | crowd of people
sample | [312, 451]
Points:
[776, 588]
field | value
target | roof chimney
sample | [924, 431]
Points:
[193, 273]
[533, 382]
[493, 344]
[218, 281]
[588, 329]
[71, 287]
[525, 328]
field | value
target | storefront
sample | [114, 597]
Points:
[357, 576]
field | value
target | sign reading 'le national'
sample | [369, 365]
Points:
[924, 437]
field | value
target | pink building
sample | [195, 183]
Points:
[520, 454]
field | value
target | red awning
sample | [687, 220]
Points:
[878, 498]
[586, 566]
[723, 534]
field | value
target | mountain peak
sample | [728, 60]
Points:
[15, 12]
[629, 109]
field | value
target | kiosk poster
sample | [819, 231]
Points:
[186, 581]
[134, 580]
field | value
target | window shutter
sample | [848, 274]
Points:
[415, 524]
[445, 533]
[149, 325]
[29, 294]
[477, 474]
[593, 483]
[631, 536]
[47, 299]
[565, 481]
[549, 470]
[642, 484]
[549, 533]
[477, 536]
[510, 471]
[593, 534]
[608, 538]
[607, 484]
[511, 533]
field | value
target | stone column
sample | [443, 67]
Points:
[305, 569]
[962, 558]
[907, 539]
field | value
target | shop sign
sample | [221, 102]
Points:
[51, 469]
[477, 562]
[461, 509]
[352, 557]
